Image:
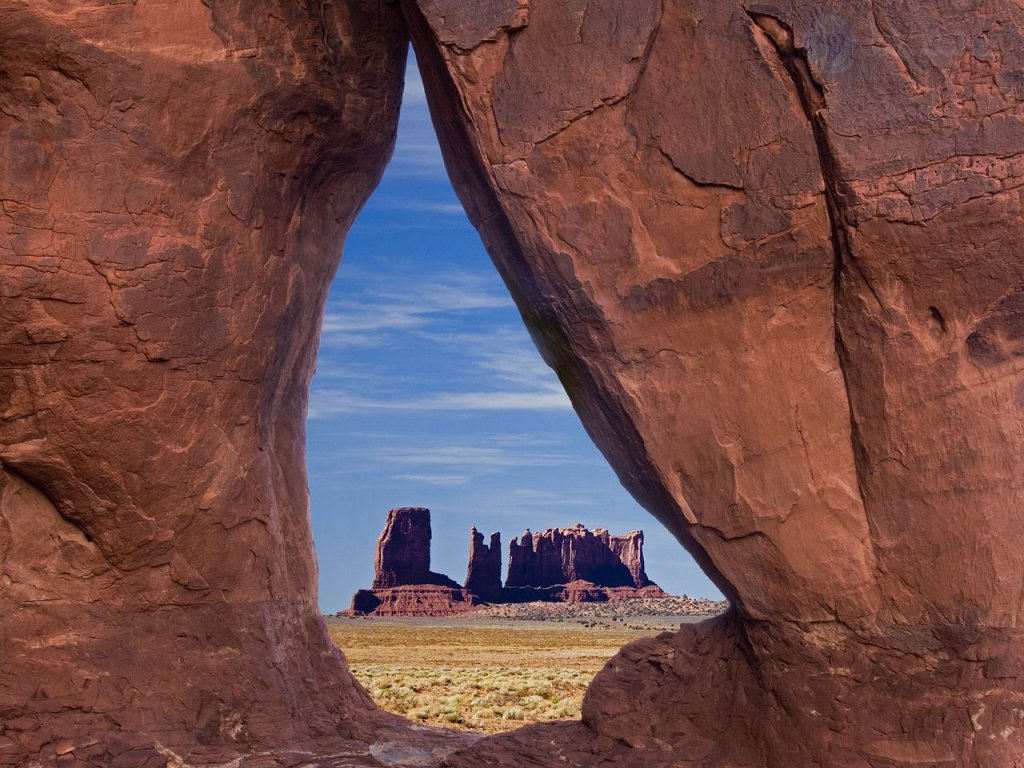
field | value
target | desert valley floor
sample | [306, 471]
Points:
[500, 667]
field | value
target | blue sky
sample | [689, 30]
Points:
[429, 392]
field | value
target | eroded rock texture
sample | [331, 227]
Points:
[412, 600]
[483, 574]
[565, 565]
[176, 179]
[564, 555]
[771, 249]
[403, 584]
[403, 551]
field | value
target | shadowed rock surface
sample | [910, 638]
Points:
[483, 575]
[565, 555]
[771, 249]
[403, 551]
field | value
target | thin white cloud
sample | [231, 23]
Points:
[389, 307]
[424, 206]
[471, 456]
[533, 496]
[417, 152]
[414, 91]
[442, 480]
[503, 354]
[331, 402]
[503, 370]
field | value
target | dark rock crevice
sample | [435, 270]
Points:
[812, 98]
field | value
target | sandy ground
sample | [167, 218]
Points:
[496, 669]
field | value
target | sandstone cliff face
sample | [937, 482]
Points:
[176, 180]
[770, 249]
[571, 565]
[403, 584]
[630, 551]
[403, 551]
[483, 576]
[564, 555]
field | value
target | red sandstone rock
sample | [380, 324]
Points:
[571, 565]
[771, 250]
[563, 555]
[403, 551]
[630, 551]
[176, 180]
[403, 583]
[412, 600]
[578, 591]
[483, 576]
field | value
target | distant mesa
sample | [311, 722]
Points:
[483, 577]
[573, 565]
[403, 584]
[403, 551]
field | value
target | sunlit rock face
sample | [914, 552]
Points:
[176, 179]
[403, 584]
[771, 250]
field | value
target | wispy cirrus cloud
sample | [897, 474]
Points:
[442, 480]
[423, 206]
[379, 309]
[417, 152]
[513, 376]
[327, 402]
[473, 455]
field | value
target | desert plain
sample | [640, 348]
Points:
[500, 667]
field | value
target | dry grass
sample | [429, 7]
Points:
[484, 676]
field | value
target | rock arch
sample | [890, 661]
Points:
[770, 248]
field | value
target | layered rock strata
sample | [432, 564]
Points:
[412, 600]
[403, 584]
[403, 551]
[770, 249]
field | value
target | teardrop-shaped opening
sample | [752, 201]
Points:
[430, 393]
